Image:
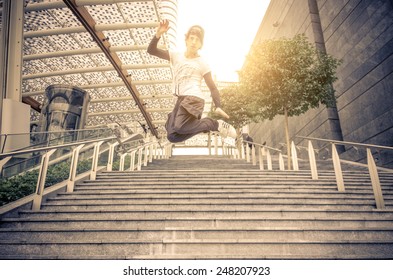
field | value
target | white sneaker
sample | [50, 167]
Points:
[226, 130]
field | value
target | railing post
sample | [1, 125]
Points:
[164, 151]
[41, 180]
[158, 151]
[2, 162]
[111, 156]
[215, 144]
[313, 163]
[139, 166]
[242, 156]
[269, 160]
[122, 160]
[294, 157]
[254, 159]
[372, 169]
[145, 159]
[281, 162]
[170, 150]
[247, 152]
[337, 169]
[222, 147]
[209, 143]
[261, 167]
[155, 150]
[151, 152]
[94, 163]
[132, 162]
[73, 167]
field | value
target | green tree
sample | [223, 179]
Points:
[287, 77]
[234, 101]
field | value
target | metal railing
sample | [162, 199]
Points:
[372, 167]
[249, 150]
[147, 150]
[263, 152]
[45, 139]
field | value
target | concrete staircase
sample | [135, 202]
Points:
[201, 207]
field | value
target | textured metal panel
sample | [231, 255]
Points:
[39, 16]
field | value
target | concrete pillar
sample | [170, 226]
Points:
[332, 112]
[12, 49]
[64, 110]
[15, 116]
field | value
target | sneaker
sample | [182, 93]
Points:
[226, 130]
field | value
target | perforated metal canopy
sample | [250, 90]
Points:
[100, 46]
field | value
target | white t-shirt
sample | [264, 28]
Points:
[188, 74]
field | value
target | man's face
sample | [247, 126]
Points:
[193, 42]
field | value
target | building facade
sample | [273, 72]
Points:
[360, 34]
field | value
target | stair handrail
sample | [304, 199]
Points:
[347, 143]
[36, 200]
[240, 151]
[26, 151]
[150, 148]
[263, 151]
[5, 136]
[372, 168]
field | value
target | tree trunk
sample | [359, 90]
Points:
[287, 139]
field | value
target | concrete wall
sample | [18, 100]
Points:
[360, 33]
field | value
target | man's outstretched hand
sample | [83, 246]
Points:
[163, 27]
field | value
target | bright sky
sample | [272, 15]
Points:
[230, 28]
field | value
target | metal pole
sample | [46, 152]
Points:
[372, 168]
[41, 180]
[122, 159]
[73, 167]
[294, 157]
[313, 163]
[94, 163]
[337, 169]
[132, 164]
[111, 155]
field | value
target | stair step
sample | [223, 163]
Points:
[216, 201]
[214, 214]
[126, 234]
[216, 196]
[97, 223]
[224, 183]
[203, 247]
[147, 192]
[208, 188]
[208, 207]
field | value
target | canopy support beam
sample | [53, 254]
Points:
[98, 36]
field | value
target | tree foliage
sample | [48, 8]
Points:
[287, 75]
[281, 77]
[234, 101]
[19, 186]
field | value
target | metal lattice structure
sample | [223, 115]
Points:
[58, 49]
